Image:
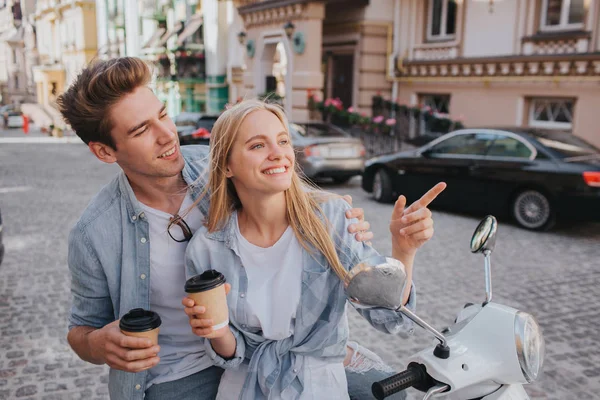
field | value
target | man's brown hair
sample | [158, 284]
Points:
[86, 105]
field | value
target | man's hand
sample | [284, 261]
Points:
[361, 228]
[122, 352]
[411, 227]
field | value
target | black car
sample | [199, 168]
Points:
[194, 128]
[532, 175]
[1, 242]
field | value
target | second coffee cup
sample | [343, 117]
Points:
[208, 290]
[141, 323]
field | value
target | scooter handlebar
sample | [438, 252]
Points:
[414, 375]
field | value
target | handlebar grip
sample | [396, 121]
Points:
[413, 375]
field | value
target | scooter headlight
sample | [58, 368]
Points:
[531, 348]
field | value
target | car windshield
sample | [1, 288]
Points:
[568, 147]
[316, 130]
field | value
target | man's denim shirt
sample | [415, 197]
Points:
[109, 260]
[321, 327]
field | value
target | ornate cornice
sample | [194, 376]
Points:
[250, 6]
[509, 67]
[274, 14]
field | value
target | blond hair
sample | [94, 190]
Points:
[302, 205]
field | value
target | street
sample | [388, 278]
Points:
[44, 187]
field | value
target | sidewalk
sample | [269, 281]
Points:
[35, 135]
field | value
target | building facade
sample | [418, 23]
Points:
[66, 42]
[487, 62]
[168, 34]
[17, 51]
[502, 63]
[334, 48]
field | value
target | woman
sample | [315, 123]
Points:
[283, 249]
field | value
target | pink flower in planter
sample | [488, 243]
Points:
[351, 110]
[328, 102]
[378, 119]
[390, 122]
[337, 103]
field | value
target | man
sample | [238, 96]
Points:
[127, 249]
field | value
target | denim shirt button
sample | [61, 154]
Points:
[143, 240]
[242, 295]
[134, 217]
[142, 216]
[138, 386]
[143, 276]
[295, 370]
[244, 326]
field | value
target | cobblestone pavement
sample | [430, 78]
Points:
[45, 187]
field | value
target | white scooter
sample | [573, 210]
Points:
[489, 353]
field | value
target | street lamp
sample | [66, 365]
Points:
[242, 37]
[289, 29]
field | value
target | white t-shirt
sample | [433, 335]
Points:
[181, 352]
[274, 288]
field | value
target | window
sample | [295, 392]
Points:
[441, 20]
[473, 144]
[506, 146]
[562, 14]
[551, 113]
[565, 145]
[439, 103]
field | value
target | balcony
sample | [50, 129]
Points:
[572, 42]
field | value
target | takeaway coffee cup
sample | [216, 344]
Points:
[208, 290]
[141, 323]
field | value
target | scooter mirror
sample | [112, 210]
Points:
[484, 238]
[376, 282]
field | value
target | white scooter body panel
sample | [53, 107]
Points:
[483, 355]
[509, 392]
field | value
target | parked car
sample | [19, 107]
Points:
[1, 242]
[194, 128]
[325, 151]
[15, 119]
[534, 176]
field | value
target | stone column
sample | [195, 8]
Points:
[102, 26]
[215, 45]
[132, 28]
[305, 68]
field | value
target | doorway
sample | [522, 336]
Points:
[342, 82]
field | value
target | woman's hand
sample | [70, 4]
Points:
[412, 227]
[203, 326]
[361, 228]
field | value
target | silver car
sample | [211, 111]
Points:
[325, 151]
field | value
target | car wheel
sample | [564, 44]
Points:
[341, 179]
[382, 186]
[533, 210]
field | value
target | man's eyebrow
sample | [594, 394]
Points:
[138, 126]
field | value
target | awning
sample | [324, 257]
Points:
[151, 42]
[8, 34]
[191, 26]
[17, 36]
[170, 32]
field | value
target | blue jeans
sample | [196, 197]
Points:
[359, 384]
[202, 385]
